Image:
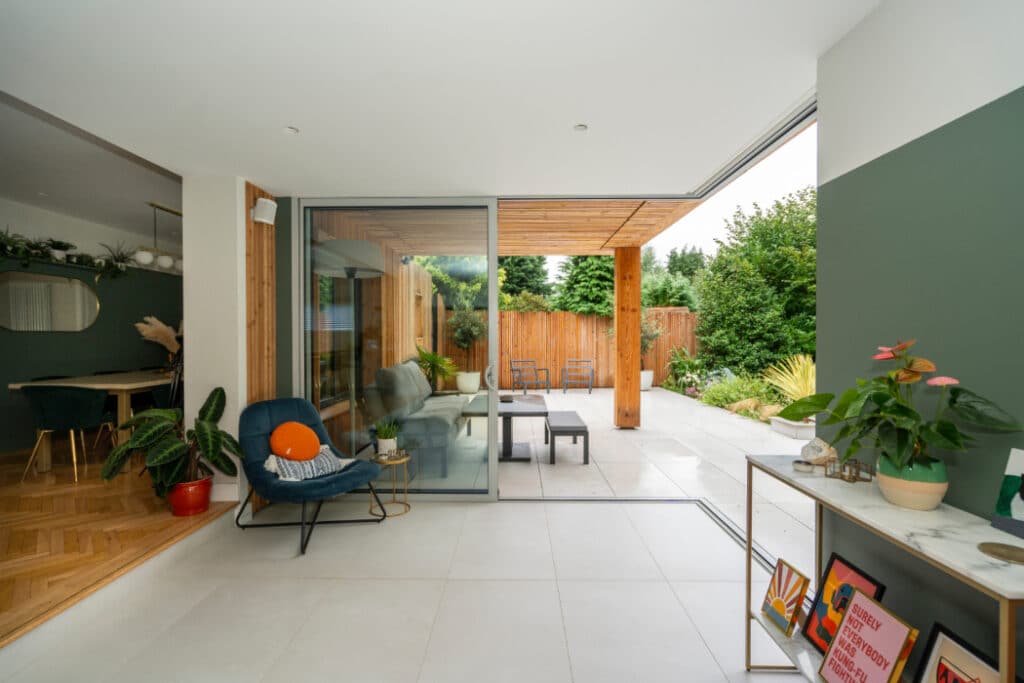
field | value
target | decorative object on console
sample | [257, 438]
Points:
[881, 412]
[1009, 514]
[850, 471]
[835, 590]
[947, 657]
[871, 645]
[179, 461]
[785, 596]
[818, 452]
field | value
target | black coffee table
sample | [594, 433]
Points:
[529, 405]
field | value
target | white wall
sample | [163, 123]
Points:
[213, 242]
[34, 222]
[910, 67]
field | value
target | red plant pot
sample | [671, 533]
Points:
[190, 497]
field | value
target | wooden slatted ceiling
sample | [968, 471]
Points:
[572, 227]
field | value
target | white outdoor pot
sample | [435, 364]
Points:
[646, 380]
[468, 382]
[794, 430]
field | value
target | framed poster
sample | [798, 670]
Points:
[841, 578]
[1009, 513]
[871, 645]
[785, 596]
[948, 658]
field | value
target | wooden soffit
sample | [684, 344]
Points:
[583, 227]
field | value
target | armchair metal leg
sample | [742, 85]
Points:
[305, 535]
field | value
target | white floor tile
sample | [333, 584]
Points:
[639, 480]
[504, 541]
[597, 541]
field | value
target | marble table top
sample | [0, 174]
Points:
[947, 536]
[114, 381]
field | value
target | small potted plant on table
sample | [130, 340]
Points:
[387, 436]
[880, 413]
[179, 460]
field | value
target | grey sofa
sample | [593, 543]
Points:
[429, 424]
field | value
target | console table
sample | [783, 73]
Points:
[946, 538]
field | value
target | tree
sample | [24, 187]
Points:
[525, 274]
[526, 302]
[460, 280]
[586, 284]
[666, 289]
[649, 261]
[686, 261]
[757, 294]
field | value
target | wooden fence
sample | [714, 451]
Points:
[552, 338]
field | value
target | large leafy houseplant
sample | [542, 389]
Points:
[881, 413]
[174, 454]
[435, 366]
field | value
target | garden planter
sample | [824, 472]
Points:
[646, 380]
[917, 486]
[386, 445]
[58, 255]
[190, 497]
[468, 382]
[794, 430]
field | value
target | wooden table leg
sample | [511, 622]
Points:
[44, 458]
[1007, 641]
[124, 413]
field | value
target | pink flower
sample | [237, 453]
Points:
[884, 355]
[942, 381]
[886, 348]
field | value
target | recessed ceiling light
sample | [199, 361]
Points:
[581, 128]
[42, 194]
[291, 130]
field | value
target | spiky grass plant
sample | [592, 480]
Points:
[794, 377]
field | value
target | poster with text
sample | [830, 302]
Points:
[871, 645]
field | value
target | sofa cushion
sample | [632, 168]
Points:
[398, 391]
[419, 378]
[294, 441]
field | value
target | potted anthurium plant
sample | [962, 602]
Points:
[881, 413]
[179, 460]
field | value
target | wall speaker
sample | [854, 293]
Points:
[264, 211]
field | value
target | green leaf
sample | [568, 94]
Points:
[208, 437]
[846, 399]
[981, 412]
[165, 451]
[223, 462]
[213, 408]
[943, 434]
[115, 461]
[150, 433]
[232, 446]
[168, 414]
[806, 407]
[895, 442]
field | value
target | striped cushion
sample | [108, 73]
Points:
[323, 464]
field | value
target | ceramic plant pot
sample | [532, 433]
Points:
[468, 382]
[917, 487]
[386, 445]
[190, 497]
[646, 380]
[794, 430]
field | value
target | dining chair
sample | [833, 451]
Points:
[65, 409]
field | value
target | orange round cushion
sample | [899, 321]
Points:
[294, 441]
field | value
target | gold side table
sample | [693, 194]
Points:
[403, 504]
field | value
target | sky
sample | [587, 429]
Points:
[788, 169]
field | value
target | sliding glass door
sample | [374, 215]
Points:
[400, 333]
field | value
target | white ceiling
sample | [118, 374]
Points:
[53, 166]
[452, 97]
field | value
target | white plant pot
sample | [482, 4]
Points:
[165, 262]
[143, 257]
[794, 430]
[58, 255]
[468, 382]
[179, 265]
[646, 380]
[386, 446]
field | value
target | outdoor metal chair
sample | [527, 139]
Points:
[578, 371]
[525, 373]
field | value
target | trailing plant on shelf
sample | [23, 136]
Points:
[435, 366]
[881, 413]
[176, 455]
[116, 262]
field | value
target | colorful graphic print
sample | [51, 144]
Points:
[785, 595]
[833, 597]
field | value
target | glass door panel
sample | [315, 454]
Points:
[397, 326]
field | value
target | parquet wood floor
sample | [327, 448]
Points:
[60, 541]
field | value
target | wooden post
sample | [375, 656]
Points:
[627, 337]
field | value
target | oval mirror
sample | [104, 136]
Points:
[30, 302]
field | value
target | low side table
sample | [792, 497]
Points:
[403, 504]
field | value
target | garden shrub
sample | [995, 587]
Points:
[729, 391]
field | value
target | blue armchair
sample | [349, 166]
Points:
[254, 428]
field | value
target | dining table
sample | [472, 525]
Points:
[120, 384]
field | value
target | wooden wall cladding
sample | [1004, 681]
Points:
[260, 302]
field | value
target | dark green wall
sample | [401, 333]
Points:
[111, 343]
[283, 265]
[928, 242]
